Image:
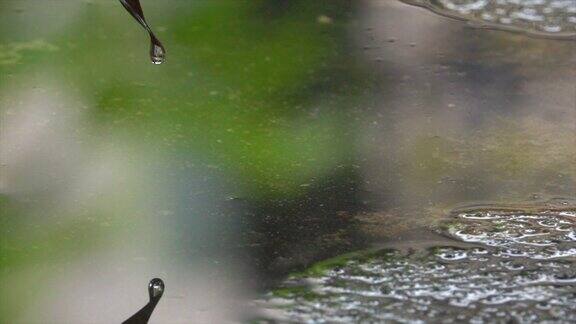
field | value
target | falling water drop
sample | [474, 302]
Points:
[157, 51]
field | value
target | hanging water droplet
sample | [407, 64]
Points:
[157, 51]
[156, 288]
[155, 291]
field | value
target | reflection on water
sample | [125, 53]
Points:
[281, 133]
[155, 291]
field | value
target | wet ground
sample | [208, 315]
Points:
[464, 85]
[502, 264]
[278, 134]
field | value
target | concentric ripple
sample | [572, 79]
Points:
[552, 18]
[522, 269]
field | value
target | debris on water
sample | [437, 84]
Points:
[522, 269]
[157, 51]
[548, 18]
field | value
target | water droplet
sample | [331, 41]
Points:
[157, 51]
[156, 288]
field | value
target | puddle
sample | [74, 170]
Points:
[548, 18]
[521, 268]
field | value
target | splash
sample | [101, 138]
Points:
[546, 18]
[157, 51]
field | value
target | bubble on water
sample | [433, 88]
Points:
[479, 251]
[512, 265]
[417, 291]
[480, 215]
[518, 233]
[523, 271]
[550, 18]
[567, 213]
[451, 254]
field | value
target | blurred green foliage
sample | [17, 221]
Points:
[242, 88]
[260, 90]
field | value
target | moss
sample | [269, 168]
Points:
[449, 227]
[296, 291]
[320, 268]
[499, 227]
[286, 292]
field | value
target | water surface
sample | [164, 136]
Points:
[518, 266]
